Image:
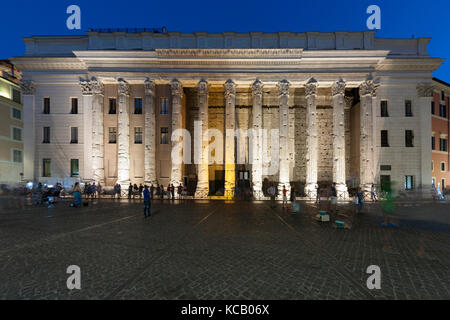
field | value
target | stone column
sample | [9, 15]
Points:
[98, 149]
[230, 118]
[257, 151]
[366, 91]
[338, 92]
[425, 96]
[311, 138]
[283, 95]
[29, 133]
[202, 190]
[150, 133]
[86, 91]
[176, 177]
[123, 121]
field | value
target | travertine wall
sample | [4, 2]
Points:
[324, 131]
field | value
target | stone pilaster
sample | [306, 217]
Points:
[123, 121]
[150, 133]
[176, 88]
[257, 152]
[29, 133]
[283, 96]
[202, 190]
[338, 93]
[367, 91]
[311, 138]
[230, 118]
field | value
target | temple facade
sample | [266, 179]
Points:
[293, 109]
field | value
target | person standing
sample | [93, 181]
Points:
[168, 191]
[360, 196]
[179, 191]
[94, 191]
[99, 190]
[172, 190]
[271, 192]
[141, 188]
[130, 190]
[284, 197]
[147, 202]
[162, 192]
[333, 197]
[372, 193]
[152, 190]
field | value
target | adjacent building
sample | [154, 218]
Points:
[440, 133]
[293, 109]
[11, 125]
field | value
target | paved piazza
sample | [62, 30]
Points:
[219, 250]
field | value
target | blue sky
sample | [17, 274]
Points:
[399, 19]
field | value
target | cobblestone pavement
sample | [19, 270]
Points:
[222, 250]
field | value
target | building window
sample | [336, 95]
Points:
[433, 143]
[17, 156]
[442, 95]
[74, 106]
[17, 134]
[443, 166]
[442, 111]
[46, 135]
[112, 135]
[384, 138]
[432, 107]
[409, 182]
[16, 114]
[112, 106]
[165, 135]
[443, 184]
[138, 135]
[74, 169]
[164, 106]
[16, 95]
[46, 106]
[385, 167]
[138, 106]
[46, 163]
[443, 145]
[409, 138]
[408, 108]
[384, 108]
[74, 135]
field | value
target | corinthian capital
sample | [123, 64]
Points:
[28, 87]
[230, 88]
[97, 87]
[283, 87]
[425, 90]
[203, 87]
[149, 87]
[338, 87]
[257, 88]
[124, 88]
[368, 87]
[311, 87]
[176, 88]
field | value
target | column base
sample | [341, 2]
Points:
[229, 194]
[311, 190]
[342, 191]
[367, 187]
[257, 192]
[201, 193]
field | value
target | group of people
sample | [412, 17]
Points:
[92, 190]
[158, 192]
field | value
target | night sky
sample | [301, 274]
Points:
[399, 19]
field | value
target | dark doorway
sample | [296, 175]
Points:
[217, 186]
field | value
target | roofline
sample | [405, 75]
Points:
[441, 82]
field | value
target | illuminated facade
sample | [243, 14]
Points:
[335, 103]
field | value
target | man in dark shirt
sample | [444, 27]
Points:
[146, 202]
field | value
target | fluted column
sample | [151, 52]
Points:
[202, 190]
[257, 139]
[150, 132]
[367, 90]
[230, 118]
[338, 92]
[98, 148]
[123, 120]
[176, 88]
[311, 138]
[283, 95]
